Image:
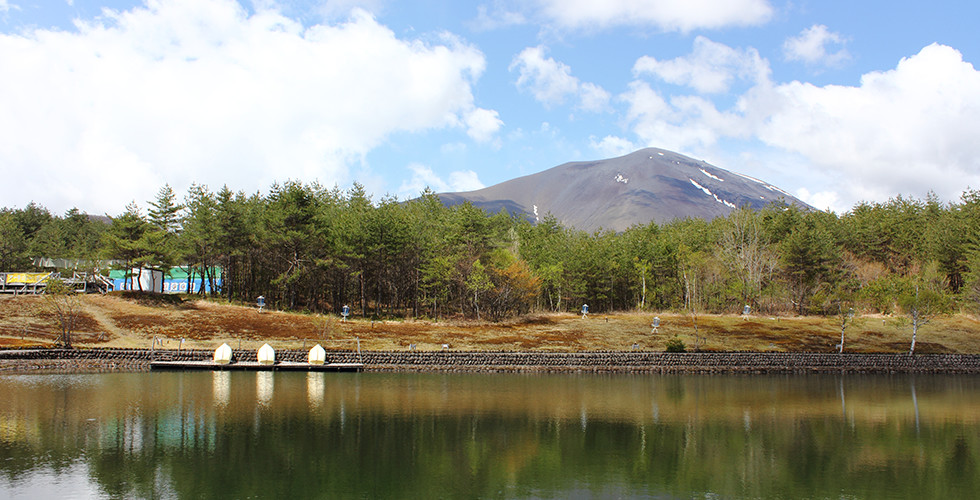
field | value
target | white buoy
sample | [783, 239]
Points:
[266, 355]
[317, 355]
[222, 355]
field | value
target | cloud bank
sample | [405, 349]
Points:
[903, 131]
[202, 91]
[551, 82]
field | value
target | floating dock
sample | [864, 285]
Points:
[284, 366]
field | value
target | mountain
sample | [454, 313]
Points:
[647, 185]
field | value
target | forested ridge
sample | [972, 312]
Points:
[305, 247]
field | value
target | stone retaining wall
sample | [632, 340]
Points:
[590, 362]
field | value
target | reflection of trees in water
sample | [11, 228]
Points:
[188, 441]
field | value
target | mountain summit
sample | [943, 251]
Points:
[647, 185]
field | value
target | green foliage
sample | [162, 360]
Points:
[880, 295]
[126, 239]
[675, 345]
[970, 292]
[926, 291]
[306, 247]
[12, 242]
[809, 259]
[33, 232]
[922, 296]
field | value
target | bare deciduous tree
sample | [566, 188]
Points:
[746, 253]
[845, 317]
[65, 305]
[924, 297]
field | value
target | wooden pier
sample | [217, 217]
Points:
[284, 366]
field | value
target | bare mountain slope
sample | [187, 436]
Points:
[647, 185]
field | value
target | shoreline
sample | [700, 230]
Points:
[119, 322]
[101, 360]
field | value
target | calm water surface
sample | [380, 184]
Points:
[297, 435]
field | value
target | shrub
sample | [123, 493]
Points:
[675, 345]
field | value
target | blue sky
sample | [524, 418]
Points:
[102, 102]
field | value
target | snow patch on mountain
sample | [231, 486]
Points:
[776, 189]
[713, 195]
[715, 177]
[702, 188]
[753, 179]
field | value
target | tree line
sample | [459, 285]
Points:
[305, 247]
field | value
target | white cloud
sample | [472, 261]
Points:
[811, 47]
[667, 15]
[496, 16]
[186, 91]
[338, 9]
[593, 97]
[906, 130]
[482, 124]
[823, 200]
[453, 147]
[612, 146]
[909, 130]
[548, 80]
[684, 124]
[464, 180]
[711, 67]
[423, 177]
[551, 82]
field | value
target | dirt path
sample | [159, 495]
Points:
[112, 331]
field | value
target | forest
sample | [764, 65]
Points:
[307, 248]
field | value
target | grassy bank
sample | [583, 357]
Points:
[117, 321]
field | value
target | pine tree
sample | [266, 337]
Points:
[125, 240]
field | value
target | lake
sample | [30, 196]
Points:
[383, 435]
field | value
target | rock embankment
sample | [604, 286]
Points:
[78, 360]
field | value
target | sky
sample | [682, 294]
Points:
[102, 103]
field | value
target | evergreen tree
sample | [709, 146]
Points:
[199, 238]
[809, 259]
[160, 241]
[125, 241]
[12, 242]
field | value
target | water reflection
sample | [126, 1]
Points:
[221, 384]
[264, 387]
[314, 388]
[237, 434]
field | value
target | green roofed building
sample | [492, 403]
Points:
[181, 279]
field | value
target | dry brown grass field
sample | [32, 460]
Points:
[135, 321]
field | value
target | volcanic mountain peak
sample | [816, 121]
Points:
[647, 185]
